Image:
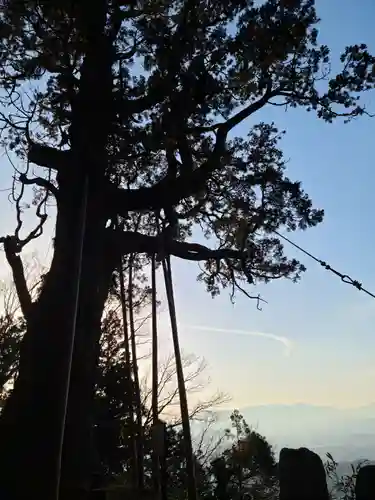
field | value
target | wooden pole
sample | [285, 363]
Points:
[190, 467]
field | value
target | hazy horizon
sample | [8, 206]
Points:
[348, 434]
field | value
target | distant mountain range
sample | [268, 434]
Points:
[348, 434]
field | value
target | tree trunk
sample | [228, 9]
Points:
[29, 424]
[31, 421]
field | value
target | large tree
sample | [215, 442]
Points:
[134, 104]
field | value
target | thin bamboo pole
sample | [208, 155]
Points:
[155, 384]
[138, 404]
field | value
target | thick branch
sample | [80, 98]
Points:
[133, 242]
[39, 181]
[249, 110]
[15, 262]
[48, 157]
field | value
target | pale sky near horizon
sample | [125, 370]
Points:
[314, 341]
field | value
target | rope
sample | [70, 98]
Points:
[344, 277]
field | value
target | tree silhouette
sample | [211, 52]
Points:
[248, 468]
[113, 415]
[134, 105]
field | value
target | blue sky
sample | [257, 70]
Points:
[320, 343]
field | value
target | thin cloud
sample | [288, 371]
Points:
[288, 344]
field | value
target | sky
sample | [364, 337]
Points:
[313, 342]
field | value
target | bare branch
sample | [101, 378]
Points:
[168, 394]
[208, 444]
[40, 211]
[200, 409]
[38, 230]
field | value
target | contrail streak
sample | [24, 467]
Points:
[288, 344]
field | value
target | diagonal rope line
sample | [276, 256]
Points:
[344, 277]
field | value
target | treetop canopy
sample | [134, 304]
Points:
[145, 98]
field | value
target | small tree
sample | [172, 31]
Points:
[195, 380]
[12, 330]
[248, 468]
[113, 414]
